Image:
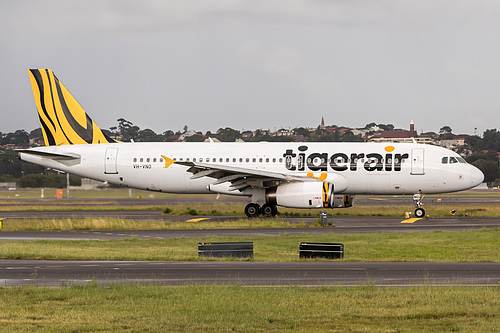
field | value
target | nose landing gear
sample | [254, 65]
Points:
[417, 200]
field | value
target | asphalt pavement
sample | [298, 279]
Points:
[57, 273]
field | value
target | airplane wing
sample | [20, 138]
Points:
[240, 178]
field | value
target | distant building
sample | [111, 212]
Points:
[259, 132]
[360, 131]
[37, 141]
[401, 136]
[247, 134]
[283, 132]
[213, 140]
[457, 141]
[183, 136]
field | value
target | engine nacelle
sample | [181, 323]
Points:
[302, 195]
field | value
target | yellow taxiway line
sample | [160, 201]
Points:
[198, 220]
[415, 219]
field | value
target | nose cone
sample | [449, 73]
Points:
[476, 176]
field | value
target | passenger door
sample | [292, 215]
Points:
[110, 161]
[417, 161]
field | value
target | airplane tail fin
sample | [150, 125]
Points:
[63, 120]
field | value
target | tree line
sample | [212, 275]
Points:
[483, 151]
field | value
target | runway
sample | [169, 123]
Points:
[57, 273]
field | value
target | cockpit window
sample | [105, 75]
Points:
[452, 160]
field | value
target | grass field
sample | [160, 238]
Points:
[124, 224]
[194, 308]
[135, 308]
[470, 246]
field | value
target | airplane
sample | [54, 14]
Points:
[293, 174]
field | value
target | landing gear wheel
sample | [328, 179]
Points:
[252, 210]
[269, 210]
[419, 212]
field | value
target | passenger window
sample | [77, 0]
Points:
[207, 160]
[194, 159]
[220, 159]
[135, 159]
[154, 160]
[260, 160]
[274, 160]
[248, 160]
[267, 160]
[214, 160]
[147, 159]
[254, 160]
[241, 160]
[281, 159]
[234, 160]
[161, 159]
[444, 160]
[141, 159]
[227, 159]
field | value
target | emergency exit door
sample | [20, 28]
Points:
[110, 160]
[417, 161]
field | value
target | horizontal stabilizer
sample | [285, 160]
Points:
[55, 156]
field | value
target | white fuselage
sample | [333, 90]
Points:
[356, 168]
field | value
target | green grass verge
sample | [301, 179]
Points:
[123, 224]
[135, 308]
[470, 246]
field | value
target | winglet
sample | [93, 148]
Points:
[63, 120]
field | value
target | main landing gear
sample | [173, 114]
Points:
[254, 210]
[417, 200]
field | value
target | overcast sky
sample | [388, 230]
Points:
[257, 63]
